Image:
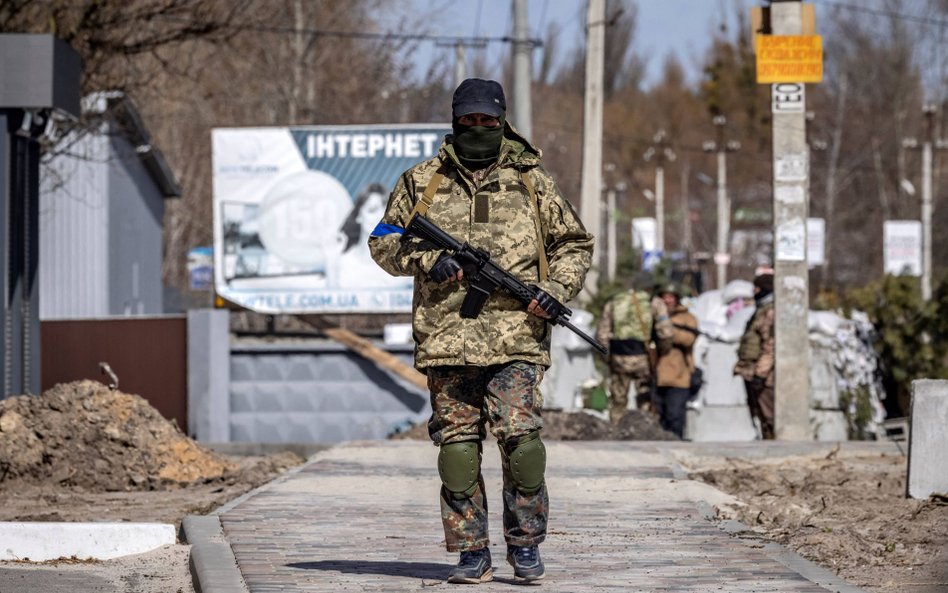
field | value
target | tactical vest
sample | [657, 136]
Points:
[750, 346]
[632, 316]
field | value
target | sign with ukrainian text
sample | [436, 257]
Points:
[789, 58]
[293, 209]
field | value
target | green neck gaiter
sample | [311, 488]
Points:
[477, 146]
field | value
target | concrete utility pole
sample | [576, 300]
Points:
[722, 257]
[592, 133]
[611, 256]
[460, 56]
[661, 152]
[791, 276]
[522, 52]
[687, 241]
[928, 147]
[460, 64]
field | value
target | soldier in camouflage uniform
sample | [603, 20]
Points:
[487, 187]
[755, 356]
[632, 323]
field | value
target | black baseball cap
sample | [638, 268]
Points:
[476, 95]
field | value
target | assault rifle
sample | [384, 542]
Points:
[698, 332]
[485, 277]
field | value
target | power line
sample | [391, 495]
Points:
[444, 39]
[886, 13]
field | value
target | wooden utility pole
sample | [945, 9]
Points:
[791, 276]
[591, 193]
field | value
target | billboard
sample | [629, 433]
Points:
[201, 268]
[293, 208]
[902, 247]
[643, 239]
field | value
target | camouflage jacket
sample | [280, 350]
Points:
[491, 210]
[756, 350]
[654, 324]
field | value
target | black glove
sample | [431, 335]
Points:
[758, 383]
[546, 302]
[445, 267]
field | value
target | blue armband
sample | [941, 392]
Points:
[382, 229]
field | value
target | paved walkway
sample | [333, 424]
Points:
[364, 517]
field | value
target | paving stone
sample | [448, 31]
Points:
[364, 517]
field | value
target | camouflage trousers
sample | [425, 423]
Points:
[464, 401]
[624, 370]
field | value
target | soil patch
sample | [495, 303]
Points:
[847, 512]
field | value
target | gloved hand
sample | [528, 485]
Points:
[551, 308]
[445, 268]
[758, 383]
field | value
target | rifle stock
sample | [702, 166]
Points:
[484, 276]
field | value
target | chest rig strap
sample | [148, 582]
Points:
[427, 198]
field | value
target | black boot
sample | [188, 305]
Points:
[526, 562]
[473, 567]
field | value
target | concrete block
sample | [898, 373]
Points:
[829, 425]
[721, 387]
[719, 424]
[39, 542]
[208, 374]
[928, 439]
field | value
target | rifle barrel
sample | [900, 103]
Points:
[589, 339]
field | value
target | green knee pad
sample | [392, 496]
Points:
[527, 461]
[459, 465]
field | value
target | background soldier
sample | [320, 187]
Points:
[755, 356]
[676, 364]
[633, 324]
[486, 187]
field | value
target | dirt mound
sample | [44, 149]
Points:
[581, 426]
[83, 434]
[636, 425]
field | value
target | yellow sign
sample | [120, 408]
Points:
[760, 21]
[789, 58]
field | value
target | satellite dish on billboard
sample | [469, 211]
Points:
[300, 217]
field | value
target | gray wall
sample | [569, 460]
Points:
[136, 209]
[293, 391]
[74, 231]
[100, 233]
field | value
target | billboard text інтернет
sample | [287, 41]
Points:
[293, 209]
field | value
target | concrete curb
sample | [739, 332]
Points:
[213, 565]
[39, 542]
[793, 561]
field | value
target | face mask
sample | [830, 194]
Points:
[477, 144]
